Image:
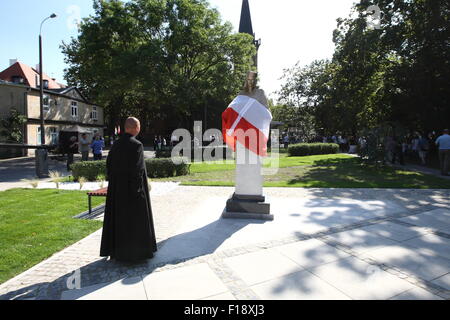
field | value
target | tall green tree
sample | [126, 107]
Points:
[398, 73]
[168, 61]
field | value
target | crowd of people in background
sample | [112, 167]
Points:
[84, 146]
[160, 143]
[397, 148]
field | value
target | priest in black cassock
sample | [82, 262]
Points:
[128, 230]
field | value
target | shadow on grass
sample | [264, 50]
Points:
[351, 173]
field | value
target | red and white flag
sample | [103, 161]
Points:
[247, 121]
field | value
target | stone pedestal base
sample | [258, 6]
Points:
[247, 207]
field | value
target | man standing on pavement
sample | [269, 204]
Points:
[128, 229]
[443, 142]
[84, 147]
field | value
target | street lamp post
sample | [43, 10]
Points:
[41, 154]
[41, 80]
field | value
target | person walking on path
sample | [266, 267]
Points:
[443, 142]
[128, 228]
[286, 141]
[159, 143]
[423, 148]
[71, 150]
[97, 148]
[84, 147]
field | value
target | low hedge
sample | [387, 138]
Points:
[156, 168]
[88, 169]
[309, 149]
[164, 168]
[163, 153]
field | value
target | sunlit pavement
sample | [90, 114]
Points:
[323, 244]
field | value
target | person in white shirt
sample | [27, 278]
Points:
[443, 142]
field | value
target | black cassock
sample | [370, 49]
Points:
[128, 230]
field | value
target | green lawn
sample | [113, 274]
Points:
[36, 223]
[322, 171]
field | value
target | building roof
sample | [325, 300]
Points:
[29, 75]
[245, 25]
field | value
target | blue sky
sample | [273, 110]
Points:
[291, 31]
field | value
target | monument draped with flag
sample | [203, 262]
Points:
[247, 121]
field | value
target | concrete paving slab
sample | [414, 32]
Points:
[206, 232]
[414, 261]
[184, 283]
[124, 289]
[301, 285]
[361, 241]
[443, 281]
[90, 186]
[261, 266]
[222, 296]
[311, 253]
[69, 186]
[46, 185]
[438, 219]
[188, 223]
[434, 244]
[360, 280]
[416, 294]
[395, 231]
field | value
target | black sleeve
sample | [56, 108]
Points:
[136, 168]
[109, 163]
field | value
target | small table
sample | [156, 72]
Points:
[97, 193]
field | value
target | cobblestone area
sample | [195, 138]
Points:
[48, 279]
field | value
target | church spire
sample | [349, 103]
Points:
[245, 26]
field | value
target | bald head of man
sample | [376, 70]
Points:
[132, 126]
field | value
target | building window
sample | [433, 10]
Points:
[74, 109]
[46, 102]
[45, 84]
[17, 79]
[94, 113]
[53, 136]
[38, 136]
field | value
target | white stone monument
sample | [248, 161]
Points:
[248, 201]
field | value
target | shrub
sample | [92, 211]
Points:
[309, 149]
[156, 168]
[163, 153]
[89, 170]
[164, 168]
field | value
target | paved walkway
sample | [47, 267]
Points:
[14, 171]
[323, 244]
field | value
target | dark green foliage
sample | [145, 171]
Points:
[11, 128]
[156, 168]
[88, 169]
[161, 61]
[164, 168]
[309, 149]
[163, 153]
[396, 73]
